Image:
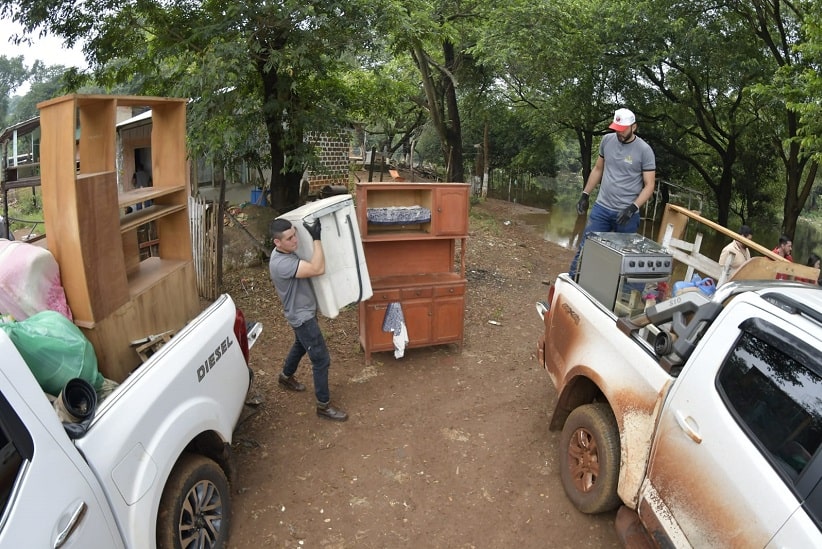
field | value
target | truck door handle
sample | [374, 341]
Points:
[73, 522]
[686, 424]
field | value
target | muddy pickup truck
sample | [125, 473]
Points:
[700, 418]
[149, 467]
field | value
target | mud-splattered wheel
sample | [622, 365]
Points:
[589, 458]
[195, 509]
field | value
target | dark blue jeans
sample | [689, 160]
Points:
[309, 339]
[603, 220]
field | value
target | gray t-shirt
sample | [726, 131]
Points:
[297, 294]
[622, 176]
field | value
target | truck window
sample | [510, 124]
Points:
[15, 443]
[771, 382]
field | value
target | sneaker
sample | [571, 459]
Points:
[291, 384]
[331, 413]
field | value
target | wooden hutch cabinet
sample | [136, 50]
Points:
[91, 225]
[411, 261]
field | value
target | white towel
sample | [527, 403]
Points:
[394, 321]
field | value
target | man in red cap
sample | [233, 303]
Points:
[626, 169]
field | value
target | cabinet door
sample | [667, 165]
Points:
[451, 211]
[417, 313]
[448, 319]
[376, 338]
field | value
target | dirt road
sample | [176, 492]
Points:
[442, 448]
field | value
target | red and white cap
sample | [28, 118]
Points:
[623, 119]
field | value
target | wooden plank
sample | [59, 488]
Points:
[760, 268]
[724, 230]
[131, 221]
[100, 243]
[168, 144]
[699, 262]
[757, 268]
[97, 137]
[674, 219]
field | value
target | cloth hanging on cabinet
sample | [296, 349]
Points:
[394, 321]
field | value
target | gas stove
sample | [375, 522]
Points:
[632, 253]
[618, 269]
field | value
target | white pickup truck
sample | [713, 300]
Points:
[701, 419]
[153, 466]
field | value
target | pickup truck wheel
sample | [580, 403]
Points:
[195, 509]
[589, 458]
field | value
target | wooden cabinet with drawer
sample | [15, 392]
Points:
[412, 261]
[432, 310]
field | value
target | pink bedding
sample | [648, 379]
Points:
[29, 281]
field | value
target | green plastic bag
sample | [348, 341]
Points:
[55, 350]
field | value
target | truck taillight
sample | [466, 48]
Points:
[240, 333]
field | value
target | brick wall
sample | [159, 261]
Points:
[332, 149]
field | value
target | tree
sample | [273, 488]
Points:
[807, 79]
[45, 82]
[247, 65]
[691, 73]
[386, 101]
[784, 28]
[550, 56]
[438, 36]
[12, 73]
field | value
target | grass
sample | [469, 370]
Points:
[26, 211]
[484, 221]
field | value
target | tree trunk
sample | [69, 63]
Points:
[284, 188]
[586, 145]
[796, 195]
[453, 127]
[441, 97]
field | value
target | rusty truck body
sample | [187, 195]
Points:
[700, 420]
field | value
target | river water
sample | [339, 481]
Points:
[559, 225]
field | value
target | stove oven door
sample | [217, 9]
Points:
[633, 291]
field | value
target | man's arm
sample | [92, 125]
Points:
[315, 266]
[648, 182]
[595, 176]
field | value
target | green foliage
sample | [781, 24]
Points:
[808, 81]
[12, 73]
[727, 94]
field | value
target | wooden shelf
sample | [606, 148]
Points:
[152, 271]
[150, 213]
[409, 281]
[401, 233]
[116, 298]
[138, 196]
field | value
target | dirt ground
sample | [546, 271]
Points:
[442, 448]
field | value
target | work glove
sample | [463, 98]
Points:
[582, 205]
[313, 229]
[626, 214]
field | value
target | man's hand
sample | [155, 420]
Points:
[313, 229]
[582, 205]
[626, 214]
